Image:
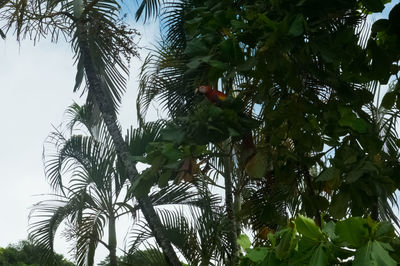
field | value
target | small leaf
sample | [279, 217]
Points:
[79, 74]
[244, 241]
[257, 165]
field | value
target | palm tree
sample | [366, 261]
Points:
[102, 45]
[96, 193]
[92, 188]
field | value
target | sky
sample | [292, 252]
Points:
[36, 85]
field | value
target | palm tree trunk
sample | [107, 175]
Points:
[112, 241]
[232, 235]
[110, 120]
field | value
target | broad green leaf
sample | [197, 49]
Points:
[307, 227]
[329, 174]
[244, 241]
[257, 254]
[339, 204]
[329, 230]
[374, 5]
[349, 119]
[373, 253]
[389, 100]
[320, 256]
[297, 28]
[380, 25]
[384, 231]
[164, 178]
[285, 245]
[394, 15]
[363, 256]
[353, 231]
[172, 133]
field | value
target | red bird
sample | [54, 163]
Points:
[213, 96]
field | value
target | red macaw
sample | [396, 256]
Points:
[247, 140]
[213, 96]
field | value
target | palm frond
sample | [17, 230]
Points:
[163, 78]
[46, 217]
[150, 256]
[139, 138]
[172, 21]
[88, 159]
[200, 237]
[89, 233]
[150, 8]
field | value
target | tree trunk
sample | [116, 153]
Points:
[232, 235]
[112, 241]
[110, 120]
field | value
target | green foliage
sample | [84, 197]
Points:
[355, 240]
[185, 139]
[26, 254]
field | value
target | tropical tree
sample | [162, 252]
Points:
[305, 71]
[26, 253]
[91, 187]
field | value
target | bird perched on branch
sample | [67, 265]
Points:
[246, 140]
[212, 95]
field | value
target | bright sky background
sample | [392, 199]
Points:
[36, 87]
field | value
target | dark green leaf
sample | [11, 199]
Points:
[380, 25]
[257, 165]
[79, 74]
[329, 174]
[353, 231]
[389, 100]
[297, 28]
[374, 5]
[164, 178]
[319, 257]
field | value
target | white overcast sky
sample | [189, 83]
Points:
[36, 85]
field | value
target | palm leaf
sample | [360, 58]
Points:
[45, 218]
[149, 7]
